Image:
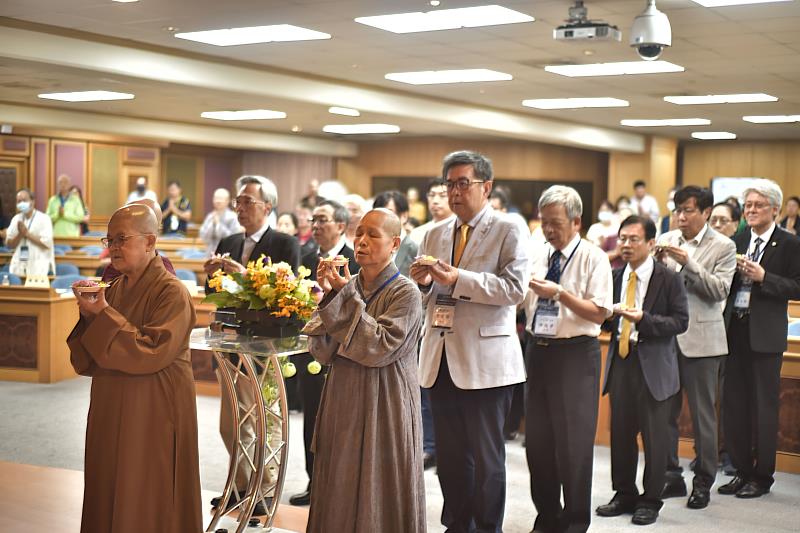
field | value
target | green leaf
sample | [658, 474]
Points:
[221, 299]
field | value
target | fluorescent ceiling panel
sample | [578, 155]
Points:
[253, 35]
[771, 119]
[355, 129]
[433, 77]
[344, 111]
[646, 123]
[574, 103]
[87, 96]
[713, 135]
[246, 114]
[724, 3]
[446, 19]
[720, 99]
[615, 69]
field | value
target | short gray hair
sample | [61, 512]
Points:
[767, 188]
[269, 193]
[566, 196]
[481, 165]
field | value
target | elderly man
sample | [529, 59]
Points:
[219, 223]
[65, 210]
[767, 277]
[570, 297]
[470, 355]
[706, 260]
[255, 200]
[142, 470]
[328, 227]
[30, 235]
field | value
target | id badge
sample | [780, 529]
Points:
[24, 254]
[444, 312]
[742, 300]
[546, 323]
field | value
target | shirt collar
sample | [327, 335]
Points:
[333, 252]
[644, 271]
[476, 219]
[697, 238]
[260, 233]
[766, 236]
[569, 248]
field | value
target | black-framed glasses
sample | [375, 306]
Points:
[319, 220]
[461, 184]
[245, 202]
[120, 240]
[633, 240]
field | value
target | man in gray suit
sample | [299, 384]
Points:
[470, 355]
[706, 261]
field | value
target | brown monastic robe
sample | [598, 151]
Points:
[142, 467]
[368, 438]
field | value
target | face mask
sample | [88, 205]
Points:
[140, 188]
[620, 207]
[670, 205]
[605, 216]
[23, 207]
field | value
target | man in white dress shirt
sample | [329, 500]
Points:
[643, 204]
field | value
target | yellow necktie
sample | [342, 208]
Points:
[630, 301]
[461, 244]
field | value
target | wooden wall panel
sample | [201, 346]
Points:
[291, 173]
[104, 175]
[18, 335]
[68, 157]
[40, 170]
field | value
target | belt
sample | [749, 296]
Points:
[546, 341]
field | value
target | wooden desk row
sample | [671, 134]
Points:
[168, 245]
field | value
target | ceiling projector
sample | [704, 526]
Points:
[578, 27]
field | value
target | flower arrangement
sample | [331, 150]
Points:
[268, 286]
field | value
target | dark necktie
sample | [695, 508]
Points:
[554, 271]
[756, 249]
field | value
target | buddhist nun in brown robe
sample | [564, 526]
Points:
[141, 463]
[368, 436]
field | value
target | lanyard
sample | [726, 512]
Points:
[763, 249]
[549, 257]
[379, 289]
[62, 200]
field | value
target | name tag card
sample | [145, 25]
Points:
[546, 321]
[742, 300]
[444, 312]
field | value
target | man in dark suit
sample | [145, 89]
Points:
[767, 277]
[642, 369]
[328, 224]
[255, 200]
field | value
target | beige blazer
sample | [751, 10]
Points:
[483, 349]
[707, 276]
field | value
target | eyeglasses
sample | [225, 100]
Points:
[319, 220]
[462, 184]
[755, 205]
[719, 221]
[633, 240]
[245, 202]
[120, 241]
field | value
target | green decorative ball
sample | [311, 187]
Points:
[314, 368]
[288, 370]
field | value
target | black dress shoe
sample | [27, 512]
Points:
[615, 507]
[674, 488]
[302, 498]
[644, 516]
[752, 490]
[699, 498]
[733, 486]
[428, 460]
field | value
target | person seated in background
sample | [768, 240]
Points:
[141, 191]
[789, 222]
[725, 218]
[176, 208]
[65, 210]
[76, 191]
[220, 222]
[142, 468]
[366, 328]
[416, 209]
[356, 206]
[287, 223]
[396, 202]
[30, 234]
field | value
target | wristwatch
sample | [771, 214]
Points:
[557, 295]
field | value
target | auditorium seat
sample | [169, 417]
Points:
[92, 250]
[13, 279]
[192, 253]
[64, 248]
[65, 282]
[185, 274]
[794, 329]
[63, 269]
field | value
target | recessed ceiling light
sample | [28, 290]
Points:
[574, 103]
[87, 96]
[615, 69]
[246, 114]
[253, 35]
[771, 119]
[446, 19]
[723, 3]
[646, 123]
[354, 129]
[431, 77]
[297, 129]
[124, 1]
[713, 135]
[344, 111]
[720, 99]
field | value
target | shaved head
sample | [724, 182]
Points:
[390, 222]
[139, 218]
[152, 205]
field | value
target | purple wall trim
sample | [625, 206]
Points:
[14, 145]
[40, 179]
[218, 174]
[71, 160]
[134, 154]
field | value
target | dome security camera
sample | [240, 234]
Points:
[651, 32]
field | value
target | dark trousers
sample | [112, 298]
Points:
[750, 411]
[633, 411]
[428, 433]
[699, 378]
[310, 392]
[470, 454]
[560, 424]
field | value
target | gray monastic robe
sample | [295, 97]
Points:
[368, 438]
[142, 470]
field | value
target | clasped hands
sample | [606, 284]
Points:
[440, 272]
[677, 253]
[750, 269]
[223, 262]
[328, 277]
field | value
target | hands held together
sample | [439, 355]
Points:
[424, 272]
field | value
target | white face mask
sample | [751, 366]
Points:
[23, 207]
[605, 216]
[670, 205]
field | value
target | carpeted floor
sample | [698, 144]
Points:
[45, 424]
